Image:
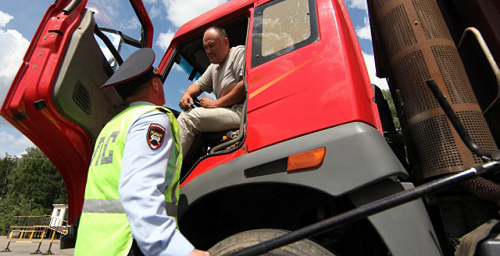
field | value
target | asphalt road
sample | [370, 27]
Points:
[25, 248]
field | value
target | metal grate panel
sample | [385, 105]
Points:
[431, 19]
[379, 4]
[475, 124]
[454, 76]
[436, 146]
[411, 73]
[82, 97]
[396, 31]
[419, 47]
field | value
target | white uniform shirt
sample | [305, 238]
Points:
[221, 78]
[142, 187]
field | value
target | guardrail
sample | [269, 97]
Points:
[27, 229]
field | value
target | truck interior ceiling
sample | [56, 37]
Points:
[190, 57]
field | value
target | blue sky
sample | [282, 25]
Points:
[19, 20]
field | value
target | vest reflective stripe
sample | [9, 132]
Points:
[103, 206]
[115, 206]
[104, 229]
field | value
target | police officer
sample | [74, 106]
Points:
[132, 185]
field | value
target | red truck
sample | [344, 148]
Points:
[317, 138]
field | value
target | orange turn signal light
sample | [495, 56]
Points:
[306, 160]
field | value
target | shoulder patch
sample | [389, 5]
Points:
[156, 136]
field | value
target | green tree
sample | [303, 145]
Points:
[20, 206]
[388, 97]
[7, 164]
[31, 184]
[36, 178]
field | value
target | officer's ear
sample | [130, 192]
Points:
[156, 84]
[157, 88]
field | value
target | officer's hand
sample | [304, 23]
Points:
[196, 252]
[186, 102]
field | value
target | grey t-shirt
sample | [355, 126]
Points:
[221, 78]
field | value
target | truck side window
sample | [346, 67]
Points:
[282, 26]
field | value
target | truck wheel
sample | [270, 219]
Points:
[252, 237]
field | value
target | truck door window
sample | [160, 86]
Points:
[282, 26]
[114, 18]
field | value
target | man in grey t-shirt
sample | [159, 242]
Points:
[225, 78]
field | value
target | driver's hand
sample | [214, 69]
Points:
[186, 102]
[196, 252]
[208, 103]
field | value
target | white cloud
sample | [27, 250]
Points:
[111, 7]
[104, 13]
[16, 143]
[13, 46]
[4, 19]
[150, 1]
[12, 49]
[154, 12]
[132, 23]
[182, 11]
[357, 4]
[365, 31]
[370, 64]
[164, 39]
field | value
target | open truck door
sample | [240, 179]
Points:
[55, 98]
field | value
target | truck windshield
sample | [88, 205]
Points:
[188, 69]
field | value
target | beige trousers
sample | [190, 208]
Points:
[198, 120]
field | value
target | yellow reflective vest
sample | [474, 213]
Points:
[104, 229]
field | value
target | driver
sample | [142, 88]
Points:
[224, 77]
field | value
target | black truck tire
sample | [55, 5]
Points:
[248, 238]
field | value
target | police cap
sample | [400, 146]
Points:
[133, 73]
